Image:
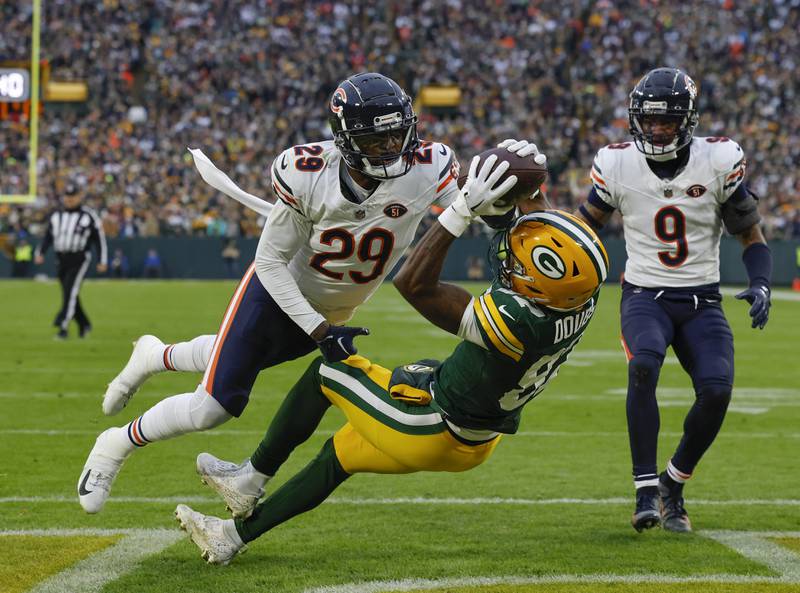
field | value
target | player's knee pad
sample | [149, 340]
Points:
[206, 412]
[643, 369]
[714, 396]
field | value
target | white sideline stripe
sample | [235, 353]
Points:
[91, 574]
[757, 548]
[522, 433]
[427, 584]
[751, 545]
[775, 295]
[415, 500]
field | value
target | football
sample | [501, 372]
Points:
[530, 175]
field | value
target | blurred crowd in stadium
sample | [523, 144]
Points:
[243, 79]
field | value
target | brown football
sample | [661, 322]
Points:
[530, 175]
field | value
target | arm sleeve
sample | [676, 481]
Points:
[47, 240]
[284, 234]
[98, 238]
[740, 211]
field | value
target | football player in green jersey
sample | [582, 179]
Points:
[427, 415]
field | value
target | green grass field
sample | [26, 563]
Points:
[549, 512]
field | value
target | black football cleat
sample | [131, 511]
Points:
[646, 515]
[673, 516]
[84, 331]
[61, 335]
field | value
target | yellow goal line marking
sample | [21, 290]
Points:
[93, 573]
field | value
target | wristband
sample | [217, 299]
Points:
[453, 221]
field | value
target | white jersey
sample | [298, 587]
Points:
[672, 227]
[339, 251]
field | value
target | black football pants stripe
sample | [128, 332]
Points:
[71, 276]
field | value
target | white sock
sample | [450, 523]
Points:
[174, 416]
[229, 529]
[251, 480]
[191, 356]
[676, 474]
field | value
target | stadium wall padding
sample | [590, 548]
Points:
[201, 258]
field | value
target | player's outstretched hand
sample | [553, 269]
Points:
[480, 192]
[523, 148]
[758, 297]
[338, 342]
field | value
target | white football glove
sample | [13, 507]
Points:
[523, 148]
[478, 196]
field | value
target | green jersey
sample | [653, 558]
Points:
[511, 349]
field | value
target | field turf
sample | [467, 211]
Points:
[549, 512]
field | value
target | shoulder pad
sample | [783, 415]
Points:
[501, 319]
[724, 154]
[296, 170]
[604, 168]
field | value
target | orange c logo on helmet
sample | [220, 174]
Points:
[339, 97]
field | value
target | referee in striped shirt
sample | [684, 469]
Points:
[73, 231]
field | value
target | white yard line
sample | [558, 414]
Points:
[759, 549]
[91, 574]
[775, 295]
[414, 500]
[522, 433]
[752, 545]
[456, 583]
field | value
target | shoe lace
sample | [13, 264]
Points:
[674, 504]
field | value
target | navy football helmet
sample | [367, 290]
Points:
[671, 95]
[374, 125]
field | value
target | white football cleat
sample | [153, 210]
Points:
[217, 544]
[238, 485]
[94, 483]
[145, 361]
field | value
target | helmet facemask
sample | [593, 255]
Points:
[382, 151]
[648, 141]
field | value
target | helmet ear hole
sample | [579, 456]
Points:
[557, 244]
[575, 270]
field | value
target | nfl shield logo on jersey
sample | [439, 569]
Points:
[696, 191]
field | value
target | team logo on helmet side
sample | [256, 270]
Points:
[696, 191]
[690, 86]
[548, 262]
[395, 210]
[337, 99]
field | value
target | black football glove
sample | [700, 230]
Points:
[758, 297]
[338, 342]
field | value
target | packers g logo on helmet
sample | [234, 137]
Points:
[547, 262]
[554, 259]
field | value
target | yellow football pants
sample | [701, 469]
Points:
[387, 436]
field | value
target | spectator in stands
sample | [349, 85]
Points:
[120, 267]
[233, 78]
[230, 254]
[152, 265]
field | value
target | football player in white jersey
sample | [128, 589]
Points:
[675, 192]
[347, 211]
